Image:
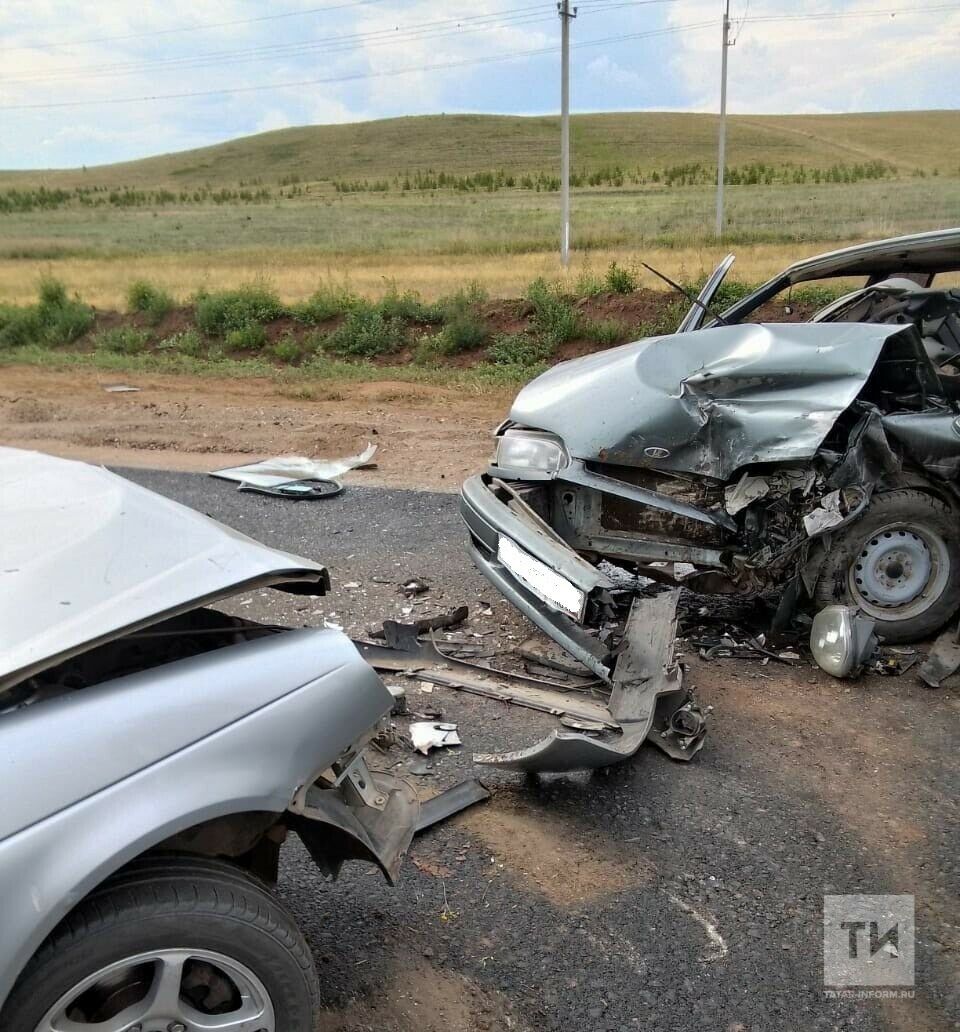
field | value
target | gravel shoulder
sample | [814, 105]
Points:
[431, 437]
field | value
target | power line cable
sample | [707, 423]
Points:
[593, 4]
[332, 44]
[199, 27]
[385, 73]
[871, 13]
[589, 5]
[472, 61]
[740, 24]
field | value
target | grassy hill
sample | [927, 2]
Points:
[463, 144]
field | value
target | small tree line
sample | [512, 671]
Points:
[28, 199]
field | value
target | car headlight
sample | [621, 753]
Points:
[842, 640]
[531, 450]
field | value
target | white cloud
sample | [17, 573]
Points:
[346, 47]
[609, 73]
[479, 34]
[857, 62]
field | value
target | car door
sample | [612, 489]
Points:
[693, 320]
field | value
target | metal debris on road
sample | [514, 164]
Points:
[647, 702]
[738, 644]
[398, 634]
[399, 694]
[272, 473]
[944, 659]
[452, 801]
[536, 659]
[297, 490]
[423, 658]
[646, 698]
[894, 662]
[427, 735]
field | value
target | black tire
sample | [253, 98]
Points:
[908, 513]
[173, 903]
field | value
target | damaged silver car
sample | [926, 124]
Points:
[816, 461]
[156, 753]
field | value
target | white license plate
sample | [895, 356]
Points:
[545, 583]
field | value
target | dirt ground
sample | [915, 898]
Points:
[431, 437]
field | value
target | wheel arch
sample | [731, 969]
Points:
[913, 481]
[53, 881]
[91, 796]
[928, 511]
[905, 481]
[135, 903]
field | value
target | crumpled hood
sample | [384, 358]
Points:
[86, 555]
[706, 402]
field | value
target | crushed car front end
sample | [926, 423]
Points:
[534, 519]
[633, 460]
[817, 462]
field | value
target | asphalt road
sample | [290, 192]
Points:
[655, 895]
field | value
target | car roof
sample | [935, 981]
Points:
[935, 252]
[925, 254]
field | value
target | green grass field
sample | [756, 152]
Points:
[502, 223]
[469, 143]
[301, 206]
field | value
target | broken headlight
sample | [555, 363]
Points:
[842, 640]
[531, 451]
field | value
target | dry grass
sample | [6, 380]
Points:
[103, 282]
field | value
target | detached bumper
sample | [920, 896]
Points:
[490, 513]
[647, 699]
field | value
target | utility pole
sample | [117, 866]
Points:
[567, 14]
[722, 159]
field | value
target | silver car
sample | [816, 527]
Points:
[156, 753]
[812, 463]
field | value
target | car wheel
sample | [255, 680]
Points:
[899, 563]
[170, 945]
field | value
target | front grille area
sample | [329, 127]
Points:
[623, 516]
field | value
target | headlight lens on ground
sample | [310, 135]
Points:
[531, 450]
[841, 640]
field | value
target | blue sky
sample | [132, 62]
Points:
[70, 73]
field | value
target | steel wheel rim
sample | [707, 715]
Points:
[198, 990]
[899, 572]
